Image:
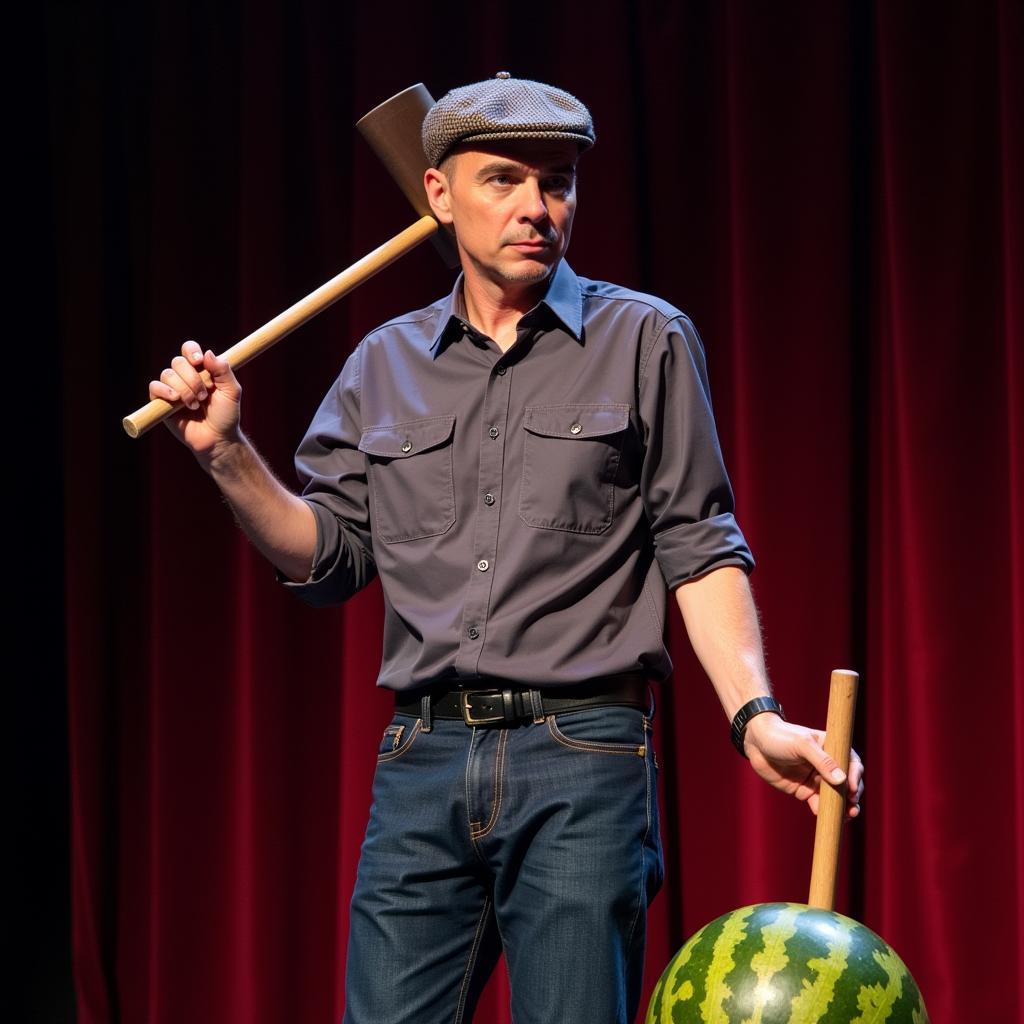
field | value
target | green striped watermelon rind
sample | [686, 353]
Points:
[785, 963]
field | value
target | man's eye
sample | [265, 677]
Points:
[559, 184]
[501, 179]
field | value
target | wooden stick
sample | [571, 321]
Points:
[842, 702]
[295, 316]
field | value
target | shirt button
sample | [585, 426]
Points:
[500, 371]
[483, 565]
[488, 499]
[473, 632]
[406, 446]
[575, 428]
[494, 431]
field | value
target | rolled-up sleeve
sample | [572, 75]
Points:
[684, 484]
[332, 471]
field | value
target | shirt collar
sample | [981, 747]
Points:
[564, 298]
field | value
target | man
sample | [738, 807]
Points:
[529, 464]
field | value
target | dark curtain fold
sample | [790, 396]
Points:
[832, 191]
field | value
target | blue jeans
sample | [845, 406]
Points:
[540, 840]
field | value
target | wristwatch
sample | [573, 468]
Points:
[749, 710]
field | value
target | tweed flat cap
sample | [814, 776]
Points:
[504, 107]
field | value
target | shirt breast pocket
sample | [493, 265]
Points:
[570, 460]
[411, 478]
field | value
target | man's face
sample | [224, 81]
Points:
[511, 204]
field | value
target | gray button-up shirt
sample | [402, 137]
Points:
[526, 511]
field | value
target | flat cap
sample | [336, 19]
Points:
[504, 107]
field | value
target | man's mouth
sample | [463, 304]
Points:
[531, 243]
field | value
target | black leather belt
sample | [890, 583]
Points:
[498, 705]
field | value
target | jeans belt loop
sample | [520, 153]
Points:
[425, 717]
[537, 706]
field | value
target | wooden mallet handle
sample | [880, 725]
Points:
[294, 316]
[842, 703]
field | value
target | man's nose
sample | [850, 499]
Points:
[533, 206]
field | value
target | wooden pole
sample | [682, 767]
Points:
[305, 309]
[842, 703]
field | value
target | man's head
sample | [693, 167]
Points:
[503, 174]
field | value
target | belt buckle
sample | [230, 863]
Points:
[467, 709]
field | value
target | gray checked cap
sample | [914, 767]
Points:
[504, 107]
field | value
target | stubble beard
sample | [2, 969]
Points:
[514, 274]
[525, 276]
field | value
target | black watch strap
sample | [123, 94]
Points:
[753, 707]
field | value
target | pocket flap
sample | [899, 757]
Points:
[575, 422]
[400, 440]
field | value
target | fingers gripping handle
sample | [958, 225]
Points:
[305, 309]
[842, 703]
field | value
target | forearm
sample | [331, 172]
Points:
[279, 523]
[721, 621]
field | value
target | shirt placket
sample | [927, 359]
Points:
[490, 481]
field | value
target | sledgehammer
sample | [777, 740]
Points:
[393, 132]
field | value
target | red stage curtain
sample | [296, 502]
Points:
[832, 192]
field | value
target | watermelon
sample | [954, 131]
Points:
[784, 963]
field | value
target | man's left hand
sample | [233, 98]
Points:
[791, 758]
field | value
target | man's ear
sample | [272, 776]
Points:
[438, 194]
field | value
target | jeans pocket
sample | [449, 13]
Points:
[398, 737]
[607, 730]
[411, 477]
[570, 461]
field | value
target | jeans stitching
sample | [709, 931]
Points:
[395, 733]
[469, 766]
[471, 963]
[643, 850]
[414, 732]
[499, 762]
[590, 745]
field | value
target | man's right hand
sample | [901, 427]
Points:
[278, 522]
[209, 418]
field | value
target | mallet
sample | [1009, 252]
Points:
[393, 131]
[786, 963]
